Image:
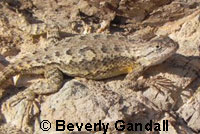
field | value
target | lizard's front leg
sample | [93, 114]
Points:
[132, 81]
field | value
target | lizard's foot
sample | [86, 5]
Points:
[27, 95]
[27, 102]
[157, 82]
[161, 82]
[30, 105]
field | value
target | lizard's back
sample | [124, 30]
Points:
[85, 56]
[94, 56]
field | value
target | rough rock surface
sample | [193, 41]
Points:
[86, 101]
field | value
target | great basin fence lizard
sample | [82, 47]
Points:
[92, 56]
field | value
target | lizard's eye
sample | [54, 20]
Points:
[158, 47]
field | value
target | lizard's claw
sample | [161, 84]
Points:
[30, 110]
[31, 104]
[29, 96]
[157, 83]
[161, 82]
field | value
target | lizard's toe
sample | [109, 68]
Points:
[160, 83]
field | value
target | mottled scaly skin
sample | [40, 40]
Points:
[93, 56]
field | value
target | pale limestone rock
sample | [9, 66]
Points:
[84, 101]
[190, 111]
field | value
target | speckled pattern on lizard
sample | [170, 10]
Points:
[92, 56]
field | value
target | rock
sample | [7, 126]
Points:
[175, 126]
[9, 129]
[90, 103]
[86, 101]
[189, 112]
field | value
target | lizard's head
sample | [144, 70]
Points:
[157, 50]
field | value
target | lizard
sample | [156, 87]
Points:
[91, 56]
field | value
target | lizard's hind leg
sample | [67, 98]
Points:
[51, 84]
